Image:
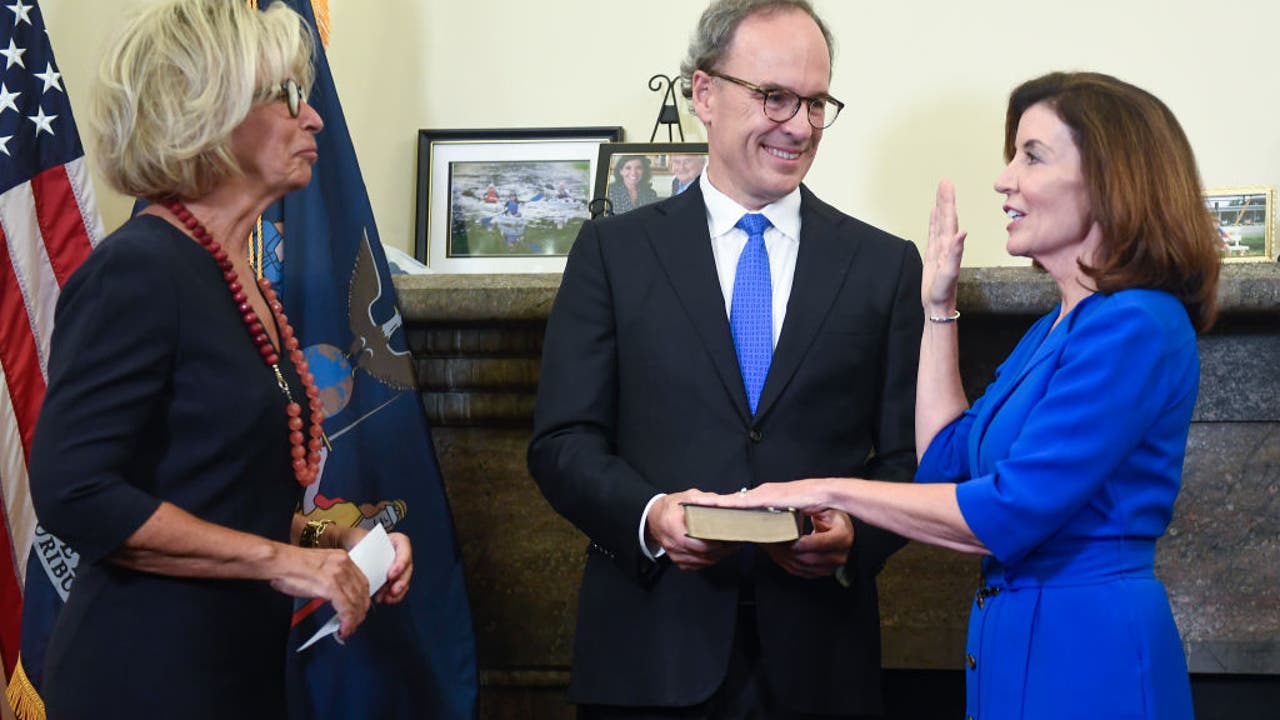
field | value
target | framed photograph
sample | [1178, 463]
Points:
[504, 201]
[1245, 218]
[632, 175]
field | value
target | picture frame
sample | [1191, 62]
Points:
[504, 200]
[664, 169]
[1245, 218]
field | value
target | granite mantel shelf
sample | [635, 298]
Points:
[1245, 288]
[477, 343]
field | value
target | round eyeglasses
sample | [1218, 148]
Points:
[781, 105]
[291, 92]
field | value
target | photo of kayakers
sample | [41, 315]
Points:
[516, 208]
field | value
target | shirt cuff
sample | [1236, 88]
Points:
[653, 553]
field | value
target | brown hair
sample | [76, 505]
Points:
[622, 161]
[1144, 188]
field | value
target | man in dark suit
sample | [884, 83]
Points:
[741, 332]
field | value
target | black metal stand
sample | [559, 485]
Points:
[668, 114]
[600, 207]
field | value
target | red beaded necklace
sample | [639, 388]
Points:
[306, 459]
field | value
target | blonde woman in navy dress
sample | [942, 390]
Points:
[1064, 473]
[181, 422]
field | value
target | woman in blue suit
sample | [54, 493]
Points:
[1064, 473]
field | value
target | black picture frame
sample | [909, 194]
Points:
[451, 161]
[657, 158]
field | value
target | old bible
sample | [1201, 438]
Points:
[757, 525]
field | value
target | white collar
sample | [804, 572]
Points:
[723, 212]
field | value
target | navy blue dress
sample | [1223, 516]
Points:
[1068, 467]
[156, 392]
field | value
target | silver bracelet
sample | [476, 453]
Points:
[944, 320]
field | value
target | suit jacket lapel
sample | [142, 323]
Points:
[682, 244]
[1049, 341]
[825, 255]
[1043, 344]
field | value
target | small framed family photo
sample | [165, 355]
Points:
[632, 175]
[504, 201]
[1245, 221]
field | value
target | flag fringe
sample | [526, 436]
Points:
[321, 10]
[22, 696]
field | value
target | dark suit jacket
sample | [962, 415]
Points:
[640, 393]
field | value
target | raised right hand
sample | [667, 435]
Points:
[666, 526]
[327, 574]
[943, 254]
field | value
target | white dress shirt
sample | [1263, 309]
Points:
[781, 240]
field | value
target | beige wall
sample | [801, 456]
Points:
[925, 83]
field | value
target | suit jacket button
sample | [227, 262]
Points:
[755, 435]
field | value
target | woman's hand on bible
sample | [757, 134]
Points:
[810, 496]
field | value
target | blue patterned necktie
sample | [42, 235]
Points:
[751, 310]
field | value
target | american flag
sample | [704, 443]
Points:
[48, 224]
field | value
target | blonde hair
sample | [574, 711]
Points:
[178, 80]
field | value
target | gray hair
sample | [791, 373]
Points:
[178, 80]
[719, 22]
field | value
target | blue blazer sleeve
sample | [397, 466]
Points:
[947, 457]
[1079, 415]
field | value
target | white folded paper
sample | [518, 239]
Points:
[373, 555]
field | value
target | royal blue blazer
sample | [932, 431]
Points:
[1068, 467]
